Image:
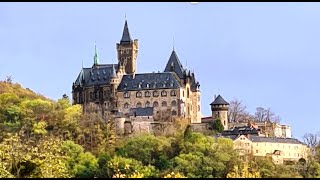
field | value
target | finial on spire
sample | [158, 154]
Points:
[173, 43]
[82, 63]
[125, 16]
[95, 58]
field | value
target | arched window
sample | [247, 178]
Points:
[139, 105]
[173, 103]
[164, 93]
[126, 105]
[155, 93]
[187, 92]
[164, 104]
[155, 104]
[173, 93]
[139, 94]
[139, 85]
[147, 104]
[126, 95]
[174, 113]
[148, 85]
[147, 94]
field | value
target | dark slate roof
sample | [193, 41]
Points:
[97, 75]
[126, 35]
[147, 111]
[233, 137]
[274, 140]
[174, 65]
[155, 80]
[219, 101]
[244, 130]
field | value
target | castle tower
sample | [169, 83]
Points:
[127, 51]
[219, 108]
[114, 82]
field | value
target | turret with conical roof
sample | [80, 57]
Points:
[219, 108]
[127, 51]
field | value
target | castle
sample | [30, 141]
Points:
[118, 88]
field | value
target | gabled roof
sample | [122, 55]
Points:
[174, 65]
[165, 80]
[219, 101]
[147, 111]
[125, 35]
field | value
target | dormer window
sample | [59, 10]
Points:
[148, 85]
[139, 85]
[171, 84]
[154, 85]
[139, 94]
[164, 84]
[125, 86]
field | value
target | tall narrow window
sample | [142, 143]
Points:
[139, 105]
[164, 104]
[126, 105]
[155, 93]
[174, 103]
[147, 94]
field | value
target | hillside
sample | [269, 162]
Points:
[42, 138]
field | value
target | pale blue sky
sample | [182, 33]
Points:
[265, 54]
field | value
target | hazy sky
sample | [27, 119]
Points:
[265, 54]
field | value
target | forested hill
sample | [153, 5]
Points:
[42, 138]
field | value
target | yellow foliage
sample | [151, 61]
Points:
[243, 171]
[174, 175]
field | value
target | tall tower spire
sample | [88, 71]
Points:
[125, 35]
[95, 58]
[127, 51]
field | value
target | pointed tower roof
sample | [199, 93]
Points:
[174, 65]
[126, 35]
[95, 57]
[113, 72]
[219, 101]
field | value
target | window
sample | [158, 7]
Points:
[154, 85]
[187, 92]
[174, 113]
[126, 105]
[155, 104]
[147, 94]
[164, 104]
[148, 85]
[164, 93]
[147, 104]
[171, 84]
[139, 105]
[173, 93]
[155, 93]
[164, 84]
[174, 103]
[139, 85]
[139, 94]
[91, 95]
[257, 151]
[198, 107]
[182, 93]
[126, 95]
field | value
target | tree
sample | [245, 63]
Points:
[236, 109]
[312, 141]
[217, 125]
[243, 171]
